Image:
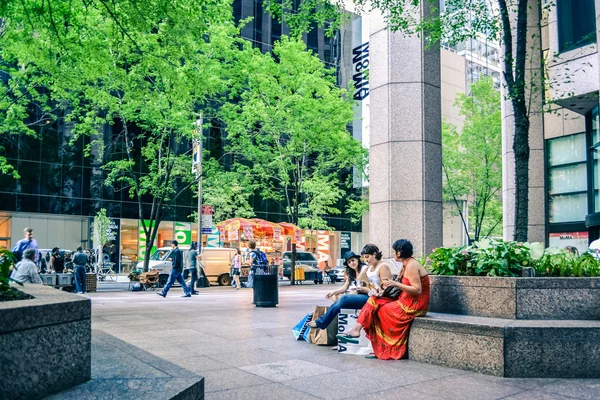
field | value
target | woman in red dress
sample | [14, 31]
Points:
[387, 321]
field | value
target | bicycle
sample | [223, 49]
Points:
[106, 272]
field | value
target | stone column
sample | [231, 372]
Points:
[537, 207]
[405, 140]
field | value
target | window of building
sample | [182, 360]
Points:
[595, 156]
[129, 244]
[576, 24]
[567, 176]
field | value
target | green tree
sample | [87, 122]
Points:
[289, 130]
[472, 160]
[145, 69]
[228, 191]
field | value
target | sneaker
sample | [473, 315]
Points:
[196, 293]
[161, 295]
[187, 295]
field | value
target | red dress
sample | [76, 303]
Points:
[387, 322]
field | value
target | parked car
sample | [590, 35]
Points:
[339, 274]
[306, 260]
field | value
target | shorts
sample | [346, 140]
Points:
[236, 271]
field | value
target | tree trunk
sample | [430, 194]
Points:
[521, 150]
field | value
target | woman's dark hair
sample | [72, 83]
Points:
[371, 249]
[404, 247]
[238, 251]
[351, 273]
[54, 250]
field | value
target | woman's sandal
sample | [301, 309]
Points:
[371, 356]
[312, 324]
[345, 338]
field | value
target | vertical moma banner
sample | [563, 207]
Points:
[183, 233]
[346, 321]
[142, 241]
[323, 247]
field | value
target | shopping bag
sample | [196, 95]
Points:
[346, 321]
[323, 336]
[301, 330]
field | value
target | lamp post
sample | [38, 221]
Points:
[197, 167]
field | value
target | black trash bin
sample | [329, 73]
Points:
[266, 286]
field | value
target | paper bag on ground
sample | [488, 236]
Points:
[323, 336]
[301, 330]
[346, 321]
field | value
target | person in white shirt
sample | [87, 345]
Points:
[25, 271]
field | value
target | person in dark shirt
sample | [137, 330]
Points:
[176, 271]
[80, 260]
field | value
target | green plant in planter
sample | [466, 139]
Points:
[557, 262]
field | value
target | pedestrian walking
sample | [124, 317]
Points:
[193, 267]
[25, 271]
[250, 259]
[237, 263]
[28, 242]
[176, 271]
[80, 260]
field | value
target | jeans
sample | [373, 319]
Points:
[250, 282]
[175, 275]
[79, 274]
[194, 272]
[353, 301]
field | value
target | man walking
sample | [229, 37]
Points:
[193, 267]
[26, 243]
[176, 271]
[80, 260]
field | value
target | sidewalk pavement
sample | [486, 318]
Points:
[247, 353]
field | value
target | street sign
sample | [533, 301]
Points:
[207, 222]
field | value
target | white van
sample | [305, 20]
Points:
[215, 261]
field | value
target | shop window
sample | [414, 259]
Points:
[567, 176]
[129, 244]
[165, 234]
[576, 24]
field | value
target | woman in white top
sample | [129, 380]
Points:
[359, 293]
[376, 270]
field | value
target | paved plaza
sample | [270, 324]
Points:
[247, 353]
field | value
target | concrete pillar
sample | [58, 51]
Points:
[537, 195]
[405, 159]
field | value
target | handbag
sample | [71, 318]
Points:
[323, 336]
[392, 292]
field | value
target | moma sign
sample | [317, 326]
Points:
[360, 76]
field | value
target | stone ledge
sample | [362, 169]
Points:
[517, 298]
[122, 371]
[49, 307]
[508, 348]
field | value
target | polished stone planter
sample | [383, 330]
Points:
[517, 298]
[45, 343]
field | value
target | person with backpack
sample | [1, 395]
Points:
[28, 242]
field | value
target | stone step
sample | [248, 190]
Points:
[508, 347]
[122, 371]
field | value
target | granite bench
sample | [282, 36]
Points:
[508, 347]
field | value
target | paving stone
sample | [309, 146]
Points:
[289, 369]
[261, 392]
[249, 357]
[340, 385]
[458, 387]
[395, 394]
[231, 378]
[587, 389]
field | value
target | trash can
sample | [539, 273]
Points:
[266, 286]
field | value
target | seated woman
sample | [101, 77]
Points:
[356, 273]
[386, 321]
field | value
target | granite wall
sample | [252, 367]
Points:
[45, 343]
[517, 298]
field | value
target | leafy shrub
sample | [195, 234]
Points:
[499, 258]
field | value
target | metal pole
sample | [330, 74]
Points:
[199, 122]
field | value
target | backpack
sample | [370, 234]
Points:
[259, 260]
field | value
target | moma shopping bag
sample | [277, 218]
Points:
[346, 321]
[301, 330]
[323, 336]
